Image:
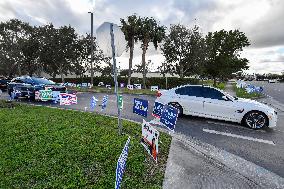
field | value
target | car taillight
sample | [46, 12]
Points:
[158, 94]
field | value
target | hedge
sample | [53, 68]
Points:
[161, 82]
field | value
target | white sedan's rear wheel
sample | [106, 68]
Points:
[256, 120]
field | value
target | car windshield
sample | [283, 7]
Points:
[42, 81]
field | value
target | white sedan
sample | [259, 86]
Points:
[209, 102]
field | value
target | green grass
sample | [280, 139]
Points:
[220, 85]
[42, 147]
[242, 93]
[121, 90]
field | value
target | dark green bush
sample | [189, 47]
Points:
[161, 82]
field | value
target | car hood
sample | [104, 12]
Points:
[254, 103]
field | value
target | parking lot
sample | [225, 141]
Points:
[263, 147]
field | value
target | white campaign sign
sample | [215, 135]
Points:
[104, 39]
[130, 87]
[154, 88]
[137, 86]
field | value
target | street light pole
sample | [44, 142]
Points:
[115, 79]
[92, 51]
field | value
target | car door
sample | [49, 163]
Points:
[191, 100]
[217, 107]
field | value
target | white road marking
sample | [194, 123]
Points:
[239, 136]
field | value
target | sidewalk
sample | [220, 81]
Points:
[229, 89]
[187, 169]
[194, 164]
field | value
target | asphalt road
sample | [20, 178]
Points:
[262, 147]
[274, 90]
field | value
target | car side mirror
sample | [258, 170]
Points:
[225, 98]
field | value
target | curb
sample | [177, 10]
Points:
[249, 170]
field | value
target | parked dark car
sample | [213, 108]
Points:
[4, 84]
[28, 85]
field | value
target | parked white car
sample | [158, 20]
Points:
[209, 102]
[272, 81]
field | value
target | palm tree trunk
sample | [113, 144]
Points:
[130, 63]
[144, 66]
[181, 70]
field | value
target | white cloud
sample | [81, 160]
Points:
[261, 20]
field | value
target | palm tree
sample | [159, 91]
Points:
[149, 31]
[130, 29]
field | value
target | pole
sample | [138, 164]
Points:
[92, 51]
[115, 78]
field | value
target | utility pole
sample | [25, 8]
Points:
[92, 50]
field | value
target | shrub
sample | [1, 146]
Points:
[161, 82]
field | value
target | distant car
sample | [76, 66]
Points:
[272, 81]
[209, 102]
[27, 86]
[4, 84]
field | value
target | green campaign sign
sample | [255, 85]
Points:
[46, 95]
[120, 102]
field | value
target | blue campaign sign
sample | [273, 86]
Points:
[121, 163]
[104, 103]
[93, 103]
[157, 110]
[169, 117]
[140, 107]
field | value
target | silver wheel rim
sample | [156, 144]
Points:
[255, 120]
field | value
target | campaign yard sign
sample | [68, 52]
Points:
[37, 95]
[154, 88]
[169, 117]
[84, 84]
[157, 110]
[121, 164]
[68, 99]
[46, 95]
[140, 107]
[130, 87]
[122, 85]
[120, 102]
[56, 96]
[137, 86]
[150, 139]
[93, 103]
[104, 103]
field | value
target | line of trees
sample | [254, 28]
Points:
[31, 50]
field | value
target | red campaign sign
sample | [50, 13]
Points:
[68, 99]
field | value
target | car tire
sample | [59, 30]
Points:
[255, 120]
[177, 106]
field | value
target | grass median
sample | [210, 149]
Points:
[50, 148]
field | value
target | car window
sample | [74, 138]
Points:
[212, 93]
[18, 81]
[194, 91]
[40, 81]
[190, 91]
[181, 91]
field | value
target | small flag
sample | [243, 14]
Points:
[104, 103]
[93, 103]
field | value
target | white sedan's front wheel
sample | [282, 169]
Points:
[256, 120]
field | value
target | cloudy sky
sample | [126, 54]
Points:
[261, 20]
